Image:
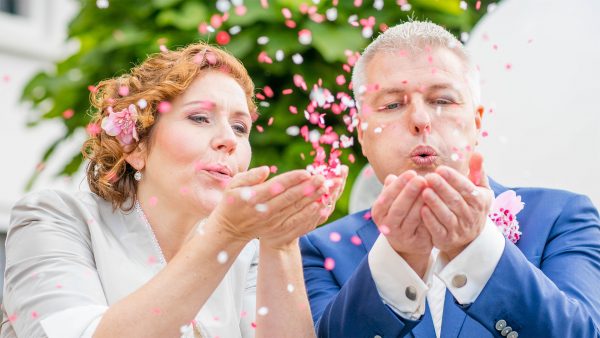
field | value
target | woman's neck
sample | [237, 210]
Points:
[171, 224]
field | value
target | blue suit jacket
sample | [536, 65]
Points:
[547, 285]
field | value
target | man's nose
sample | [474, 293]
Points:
[224, 139]
[420, 119]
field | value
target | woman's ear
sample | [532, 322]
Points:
[137, 158]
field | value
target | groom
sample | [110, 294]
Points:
[426, 260]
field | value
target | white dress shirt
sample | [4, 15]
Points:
[475, 265]
[70, 257]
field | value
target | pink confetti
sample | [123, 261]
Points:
[264, 3]
[478, 5]
[156, 311]
[259, 128]
[67, 114]
[93, 129]
[241, 10]
[268, 91]
[384, 229]
[508, 66]
[264, 58]
[152, 260]
[290, 23]
[273, 169]
[287, 91]
[356, 240]
[163, 48]
[216, 21]
[243, 314]
[123, 90]
[12, 318]
[153, 200]
[484, 134]
[305, 36]
[340, 80]
[222, 38]
[34, 314]
[203, 28]
[270, 122]
[286, 13]
[329, 263]
[253, 324]
[293, 110]
[92, 89]
[351, 158]
[367, 215]
[335, 237]
[164, 107]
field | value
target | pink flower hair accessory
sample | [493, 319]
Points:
[504, 210]
[122, 124]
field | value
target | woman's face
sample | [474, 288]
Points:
[198, 145]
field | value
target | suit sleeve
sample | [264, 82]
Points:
[559, 299]
[354, 310]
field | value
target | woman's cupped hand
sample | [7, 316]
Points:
[276, 210]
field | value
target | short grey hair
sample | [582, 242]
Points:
[415, 36]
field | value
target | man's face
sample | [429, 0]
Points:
[417, 113]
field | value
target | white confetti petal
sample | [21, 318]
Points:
[102, 4]
[222, 257]
[235, 30]
[279, 55]
[293, 131]
[331, 14]
[377, 130]
[454, 157]
[246, 193]
[262, 311]
[223, 5]
[142, 103]
[378, 5]
[290, 288]
[463, 5]
[297, 58]
[261, 207]
[262, 40]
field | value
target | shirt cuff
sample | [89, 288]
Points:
[468, 273]
[397, 283]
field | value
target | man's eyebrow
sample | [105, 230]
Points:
[388, 91]
[439, 86]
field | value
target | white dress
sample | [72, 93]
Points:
[70, 256]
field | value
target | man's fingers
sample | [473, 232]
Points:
[442, 192]
[251, 177]
[476, 168]
[433, 225]
[404, 201]
[440, 208]
[389, 194]
[469, 191]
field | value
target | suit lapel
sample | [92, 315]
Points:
[425, 328]
[453, 318]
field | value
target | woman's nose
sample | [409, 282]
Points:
[224, 139]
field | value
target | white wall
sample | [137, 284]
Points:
[545, 128]
[28, 44]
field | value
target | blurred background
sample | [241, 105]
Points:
[538, 61]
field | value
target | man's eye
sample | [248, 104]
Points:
[443, 101]
[391, 106]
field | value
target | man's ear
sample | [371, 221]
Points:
[137, 158]
[479, 117]
[360, 132]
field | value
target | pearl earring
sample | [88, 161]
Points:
[138, 176]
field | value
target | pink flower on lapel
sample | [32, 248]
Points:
[121, 124]
[504, 210]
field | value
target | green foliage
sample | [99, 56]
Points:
[113, 39]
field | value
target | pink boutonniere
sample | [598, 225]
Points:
[121, 124]
[504, 210]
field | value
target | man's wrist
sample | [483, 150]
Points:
[418, 262]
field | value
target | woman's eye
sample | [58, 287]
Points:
[199, 118]
[240, 128]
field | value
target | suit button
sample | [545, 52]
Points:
[411, 293]
[512, 334]
[500, 325]
[506, 331]
[459, 280]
